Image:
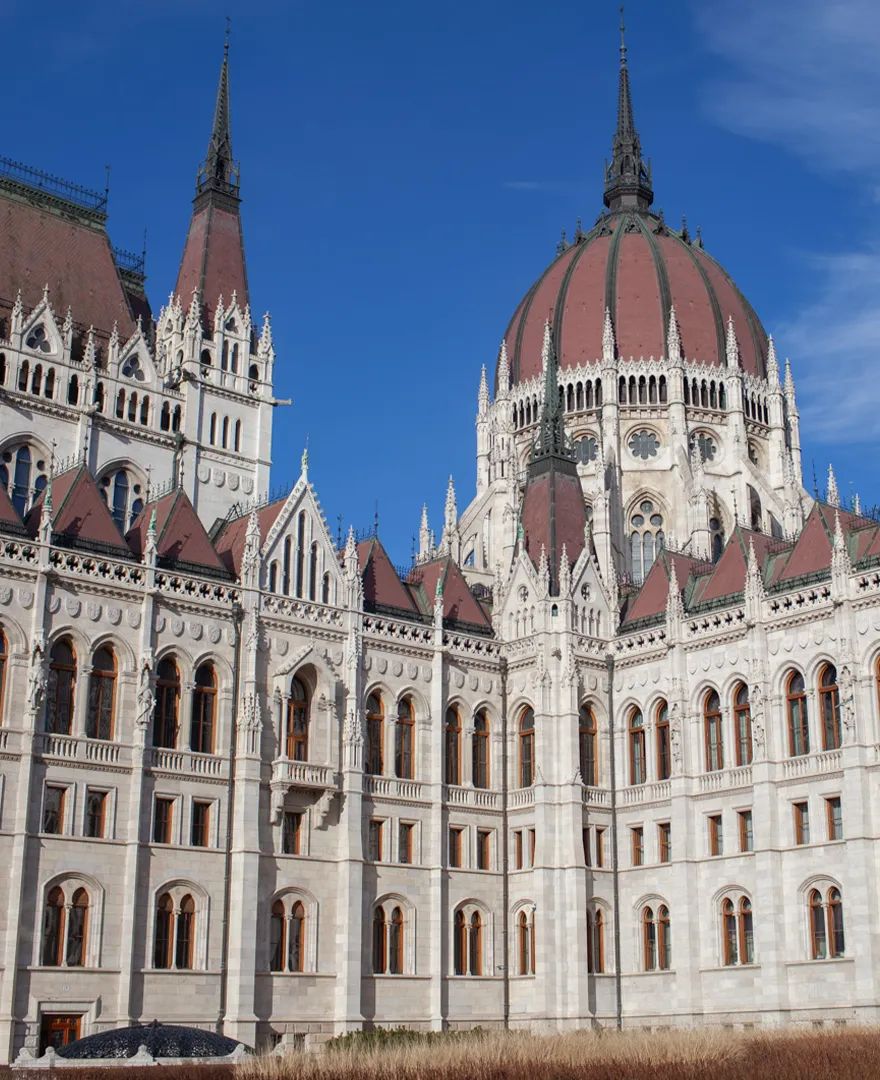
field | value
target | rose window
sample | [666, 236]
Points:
[644, 444]
[37, 339]
[586, 450]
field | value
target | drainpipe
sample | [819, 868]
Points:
[237, 614]
[615, 872]
[505, 854]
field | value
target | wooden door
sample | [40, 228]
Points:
[58, 1029]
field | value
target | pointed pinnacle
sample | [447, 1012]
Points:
[833, 497]
[607, 337]
[789, 381]
[732, 347]
[503, 371]
[673, 337]
[772, 365]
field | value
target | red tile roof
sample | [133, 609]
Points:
[79, 512]
[180, 534]
[382, 586]
[229, 542]
[74, 259]
[651, 598]
[213, 258]
[553, 514]
[459, 603]
[8, 514]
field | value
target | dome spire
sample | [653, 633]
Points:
[628, 177]
[219, 170]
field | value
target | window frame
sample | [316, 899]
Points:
[715, 824]
[298, 720]
[526, 734]
[713, 731]
[638, 763]
[203, 716]
[60, 711]
[663, 736]
[405, 740]
[797, 715]
[375, 722]
[801, 818]
[102, 686]
[834, 821]
[829, 708]
[480, 751]
[587, 745]
[742, 725]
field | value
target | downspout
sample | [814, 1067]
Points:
[237, 614]
[505, 854]
[615, 872]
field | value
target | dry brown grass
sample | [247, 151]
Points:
[700, 1054]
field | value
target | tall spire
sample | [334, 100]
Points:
[628, 177]
[219, 170]
[552, 439]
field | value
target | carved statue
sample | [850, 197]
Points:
[675, 735]
[37, 679]
[846, 685]
[756, 711]
[145, 698]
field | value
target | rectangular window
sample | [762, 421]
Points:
[405, 843]
[638, 846]
[483, 841]
[801, 822]
[586, 837]
[600, 848]
[531, 847]
[664, 835]
[374, 848]
[746, 837]
[518, 849]
[53, 810]
[291, 833]
[201, 820]
[455, 847]
[716, 836]
[163, 816]
[835, 818]
[96, 804]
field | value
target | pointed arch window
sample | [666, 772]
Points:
[649, 939]
[737, 931]
[404, 740]
[587, 745]
[480, 750]
[165, 709]
[395, 942]
[287, 938]
[829, 707]
[730, 933]
[236, 441]
[742, 724]
[796, 707]
[297, 952]
[224, 437]
[325, 588]
[212, 430]
[185, 934]
[65, 928]
[60, 689]
[527, 747]
[313, 571]
[712, 732]
[664, 939]
[646, 538]
[298, 722]
[380, 942]
[300, 552]
[4, 656]
[285, 577]
[638, 765]
[73, 390]
[204, 708]
[163, 932]
[102, 694]
[375, 726]
[664, 742]
[453, 746]
[525, 934]
[277, 937]
[53, 929]
[595, 941]
[475, 944]
[460, 943]
[77, 929]
[826, 924]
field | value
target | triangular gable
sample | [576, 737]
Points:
[180, 534]
[729, 575]
[79, 513]
[382, 586]
[812, 550]
[230, 541]
[651, 598]
[459, 603]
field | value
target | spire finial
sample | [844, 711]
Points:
[628, 177]
[219, 171]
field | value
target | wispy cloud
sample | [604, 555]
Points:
[803, 74]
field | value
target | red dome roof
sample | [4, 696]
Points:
[638, 268]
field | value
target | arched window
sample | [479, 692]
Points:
[649, 939]
[395, 943]
[205, 359]
[712, 732]
[796, 706]
[452, 756]
[224, 357]
[475, 950]
[587, 745]
[2, 369]
[37, 380]
[277, 937]
[236, 442]
[132, 406]
[664, 743]
[204, 707]
[638, 765]
[166, 705]
[826, 924]
[60, 689]
[313, 571]
[176, 418]
[297, 951]
[224, 438]
[234, 364]
[4, 656]
[185, 936]
[102, 694]
[73, 390]
[460, 943]
[99, 397]
[595, 941]
[300, 552]
[829, 707]
[163, 937]
[742, 724]
[404, 740]
[254, 379]
[737, 932]
[380, 942]
[375, 725]
[325, 588]
[480, 750]
[298, 722]
[646, 538]
[525, 943]
[53, 929]
[77, 929]
[527, 747]
[165, 419]
[285, 576]
[664, 939]
[273, 577]
[24, 488]
[212, 431]
[23, 373]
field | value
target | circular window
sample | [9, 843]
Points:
[656, 520]
[37, 339]
[132, 369]
[644, 444]
[708, 446]
[586, 450]
[646, 507]
[638, 520]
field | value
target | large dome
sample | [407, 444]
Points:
[634, 265]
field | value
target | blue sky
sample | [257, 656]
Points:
[407, 168]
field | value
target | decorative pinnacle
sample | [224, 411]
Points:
[220, 170]
[789, 381]
[503, 371]
[772, 365]
[552, 438]
[628, 177]
[732, 349]
[754, 579]
[304, 460]
[607, 337]
[451, 508]
[833, 498]
[483, 398]
[674, 605]
[857, 505]
[673, 337]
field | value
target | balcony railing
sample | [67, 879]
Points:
[479, 798]
[302, 774]
[390, 787]
[76, 748]
[186, 763]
